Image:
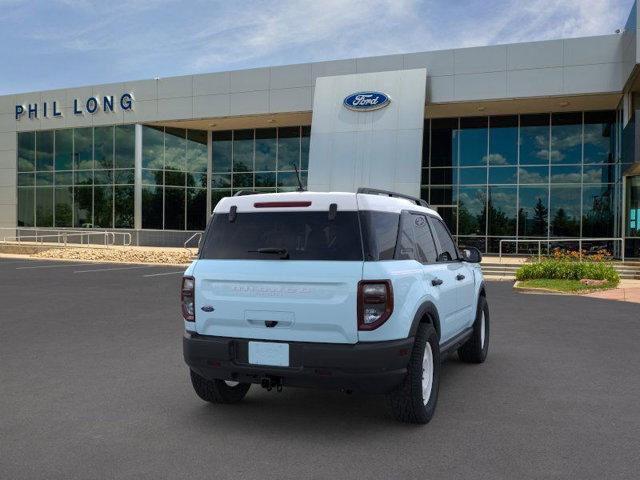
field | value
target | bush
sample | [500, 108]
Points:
[568, 270]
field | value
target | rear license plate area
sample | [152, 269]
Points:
[269, 353]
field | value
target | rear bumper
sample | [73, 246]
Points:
[375, 367]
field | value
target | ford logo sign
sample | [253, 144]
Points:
[366, 101]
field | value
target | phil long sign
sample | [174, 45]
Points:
[52, 109]
[366, 101]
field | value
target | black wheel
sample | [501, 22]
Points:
[218, 391]
[414, 401]
[477, 347]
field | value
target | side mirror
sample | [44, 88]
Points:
[471, 254]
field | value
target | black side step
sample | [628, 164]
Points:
[456, 342]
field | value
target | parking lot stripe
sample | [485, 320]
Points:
[165, 273]
[115, 268]
[53, 266]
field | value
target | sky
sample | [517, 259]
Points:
[48, 44]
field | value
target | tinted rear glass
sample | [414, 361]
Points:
[303, 235]
[380, 234]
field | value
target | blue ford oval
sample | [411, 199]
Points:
[366, 101]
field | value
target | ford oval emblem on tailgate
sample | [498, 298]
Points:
[207, 308]
[366, 101]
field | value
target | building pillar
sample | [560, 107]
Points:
[137, 196]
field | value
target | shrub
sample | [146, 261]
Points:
[601, 255]
[568, 270]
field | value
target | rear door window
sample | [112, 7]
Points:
[426, 248]
[277, 235]
[447, 250]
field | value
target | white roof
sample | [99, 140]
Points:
[318, 201]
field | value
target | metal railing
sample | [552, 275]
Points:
[67, 237]
[197, 235]
[548, 242]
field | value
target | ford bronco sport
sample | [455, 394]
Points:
[358, 291]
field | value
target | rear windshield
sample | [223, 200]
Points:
[283, 235]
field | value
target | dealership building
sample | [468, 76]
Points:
[519, 142]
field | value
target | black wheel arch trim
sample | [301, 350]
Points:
[426, 309]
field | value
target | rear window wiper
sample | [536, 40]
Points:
[284, 254]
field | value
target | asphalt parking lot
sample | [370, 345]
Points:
[92, 385]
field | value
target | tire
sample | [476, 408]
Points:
[476, 348]
[218, 391]
[408, 403]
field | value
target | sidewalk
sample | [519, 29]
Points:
[627, 291]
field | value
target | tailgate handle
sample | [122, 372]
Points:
[269, 323]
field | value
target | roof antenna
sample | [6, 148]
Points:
[300, 187]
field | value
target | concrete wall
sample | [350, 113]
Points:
[380, 148]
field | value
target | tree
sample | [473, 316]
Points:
[540, 219]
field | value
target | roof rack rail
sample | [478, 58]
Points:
[242, 193]
[376, 191]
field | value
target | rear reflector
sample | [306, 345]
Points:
[281, 204]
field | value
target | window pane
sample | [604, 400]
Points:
[500, 175]
[26, 179]
[597, 211]
[288, 148]
[26, 151]
[444, 147]
[473, 141]
[442, 196]
[444, 176]
[44, 179]
[304, 147]
[83, 177]
[447, 250]
[174, 208]
[82, 206]
[124, 176]
[196, 208]
[380, 231]
[566, 174]
[152, 207]
[425, 246]
[566, 138]
[103, 207]
[598, 137]
[176, 179]
[83, 148]
[125, 152]
[534, 175]
[243, 180]
[44, 207]
[64, 149]
[450, 217]
[533, 213]
[471, 211]
[26, 201]
[221, 151]
[197, 179]
[152, 177]
[534, 139]
[243, 150]
[175, 149]
[44, 150]
[221, 181]
[599, 173]
[473, 176]
[197, 152]
[265, 179]
[502, 210]
[265, 149]
[565, 211]
[123, 204]
[503, 140]
[103, 147]
[102, 177]
[152, 147]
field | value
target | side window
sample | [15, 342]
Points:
[425, 246]
[447, 249]
[405, 248]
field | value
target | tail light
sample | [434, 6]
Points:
[187, 298]
[375, 303]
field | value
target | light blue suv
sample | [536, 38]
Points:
[356, 291]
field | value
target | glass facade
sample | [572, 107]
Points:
[262, 159]
[174, 178]
[538, 176]
[77, 177]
